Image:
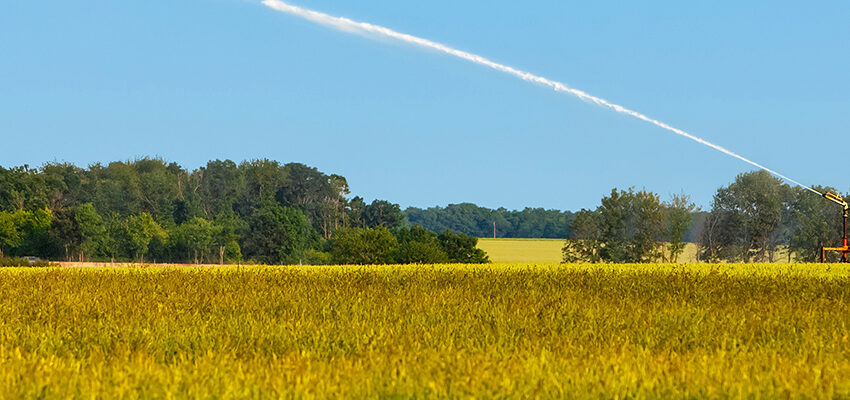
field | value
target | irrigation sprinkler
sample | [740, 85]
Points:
[845, 248]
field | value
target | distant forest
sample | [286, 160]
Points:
[534, 223]
[257, 211]
[478, 221]
[756, 218]
[262, 211]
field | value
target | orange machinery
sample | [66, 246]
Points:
[844, 249]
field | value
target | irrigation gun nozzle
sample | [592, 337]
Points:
[836, 199]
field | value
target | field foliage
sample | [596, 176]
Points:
[500, 330]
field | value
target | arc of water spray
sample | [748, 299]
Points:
[363, 28]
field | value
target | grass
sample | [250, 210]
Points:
[502, 330]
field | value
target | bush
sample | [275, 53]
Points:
[418, 245]
[364, 246]
[421, 253]
[22, 262]
[461, 248]
[307, 257]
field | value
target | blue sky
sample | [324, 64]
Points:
[193, 80]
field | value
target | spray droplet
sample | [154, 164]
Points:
[363, 28]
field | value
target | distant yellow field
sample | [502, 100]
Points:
[549, 251]
[522, 250]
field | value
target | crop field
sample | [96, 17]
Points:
[522, 250]
[549, 251]
[500, 330]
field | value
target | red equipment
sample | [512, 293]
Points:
[845, 248]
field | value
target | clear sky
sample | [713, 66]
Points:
[194, 80]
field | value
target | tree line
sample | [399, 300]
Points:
[750, 220]
[257, 211]
[479, 221]
[529, 223]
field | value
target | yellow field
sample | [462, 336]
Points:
[522, 250]
[549, 251]
[501, 330]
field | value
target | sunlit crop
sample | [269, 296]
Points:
[504, 330]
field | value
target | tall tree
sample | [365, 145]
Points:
[332, 208]
[277, 234]
[461, 248]
[141, 231]
[92, 230]
[222, 183]
[383, 213]
[355, 215]
[478, 221]
[746, 219]
[629, 226]
[116, 236]
[66, 184]
[585, 245]
[225, 236]
[418, 245]
[23, 188]
[196, 237]
[364, 246]
[263, 179]
[117, 188]
[66, 232]
[34, 228]
[679, 216]
[9, 235]
[816, 223]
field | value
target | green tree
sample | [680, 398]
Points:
[383, 213]
[585, 245]
[92, 230]
[222, 184]
[23, 188]
[278, 234]
[9, 235]
[225, 236]
[628, 227]
[332, 208]
[478, 221]
[34, 228]
[746, 220]
[116, 188]
[66, 185]
[461, 248]
[141, 230]
[816, 223]
[364, 246]
[116, 235]
[66, 232]
[633, 224]
[418, 245]
[263, 180]
[680, 213]
[196, 236]
[354, 216]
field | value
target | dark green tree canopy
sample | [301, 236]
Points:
[630, 227]
[277, 233]
[150, 209]
[478, 221]
[748, 219]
